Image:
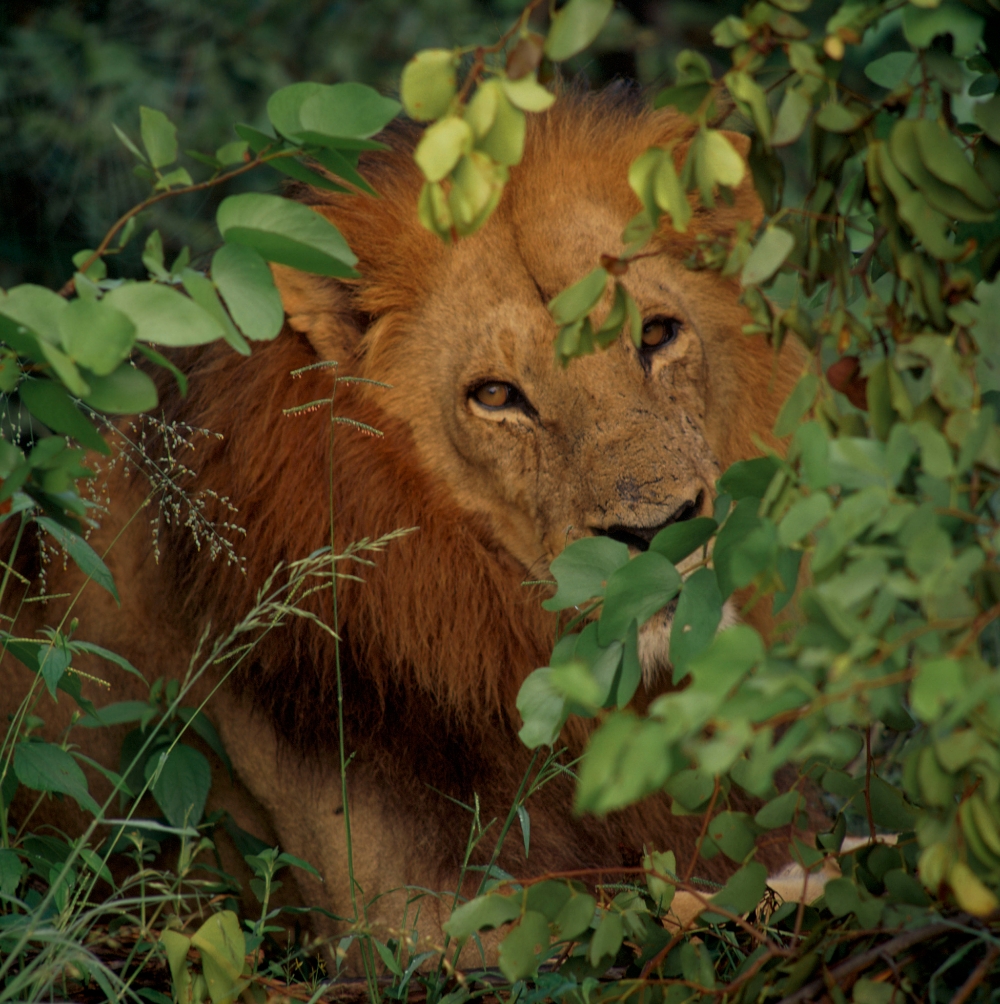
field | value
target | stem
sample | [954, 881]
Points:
[868, 785]
[689, 871]
[69, 287]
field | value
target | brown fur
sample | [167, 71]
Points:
[440, 634]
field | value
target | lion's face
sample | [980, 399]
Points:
[622, 442]
[614, 444]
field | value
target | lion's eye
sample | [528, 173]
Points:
[659, 331]
[496, 395]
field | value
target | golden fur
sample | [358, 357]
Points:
[441, 633]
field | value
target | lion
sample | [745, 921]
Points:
[495, 454]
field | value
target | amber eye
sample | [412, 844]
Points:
[495, 395]
[659, 331]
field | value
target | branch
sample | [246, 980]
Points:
[68, 287]
[865, 959]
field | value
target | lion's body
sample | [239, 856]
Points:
[439, 636]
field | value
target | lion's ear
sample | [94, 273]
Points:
[319, 308]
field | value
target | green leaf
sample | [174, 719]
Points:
[162, 315]
[127, 391]
[387, 957]
[922, 25]
[95, 335]
[222, 946]
[48, 402]
[86, 558]
[803, 517]
[574, 26]
[938, 682]
[116, 714]
[579, 299]
[744, 890]
[748, 478]
[336, 115]
[636, 591]
[834, 117]
[159, 136]
[11, 870]
[890, 70]
[744, 547]
[46, 767]
[548, 898]
[987, 116]
[482, 914]
[724, 164]
[247, 286]
[732, 654]
[780, 811]
[889, 808]
[37, 308]
[428, 84]
[286, 232]
[945, 160]
[697, 618]
[528, 94]
[575, 916]
[797, 405]
[793, 114]
[677, 541]
[660, 888]
[504, 140]
[202, 290]
[181, 785]
[768, 255]
[442, 146]
[232, 153]
[734, 833]
[542, 708]
[524, 947]
[582, 570]
[606, 941]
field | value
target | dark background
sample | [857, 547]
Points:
[69, 68]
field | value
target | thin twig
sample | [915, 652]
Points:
[976, 976]
[68, 287]
[865, 959]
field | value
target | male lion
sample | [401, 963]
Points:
[494, 452]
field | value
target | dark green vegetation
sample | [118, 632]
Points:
[876, 152]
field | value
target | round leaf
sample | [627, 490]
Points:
[482, 913]
[579, 299]
[163, 315]
[441, 147]
[247, 287]
[427, 86]
[285, 232]
[768, 256]
[528, 94]
[725, 164]
[635, 592]
[583, 568]
[95, 335]
[525, 946]
[181, 787]
[50, 403]
[575, 26]
[322, 112]
[126, 391]
[575, 917]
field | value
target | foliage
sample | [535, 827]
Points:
[872, 533]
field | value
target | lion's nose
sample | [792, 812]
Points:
[639, 537]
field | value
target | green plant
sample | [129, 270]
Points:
[872, 534]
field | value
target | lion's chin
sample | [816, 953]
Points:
[654, 643]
